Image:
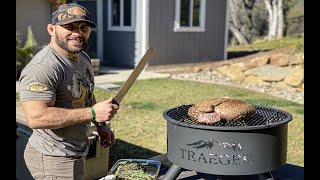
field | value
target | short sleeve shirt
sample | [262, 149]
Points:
[69, 82]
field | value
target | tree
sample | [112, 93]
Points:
[235, 22]
[242, 23]
[250, 20]
[275, 19]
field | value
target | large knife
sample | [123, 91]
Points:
[132, 78]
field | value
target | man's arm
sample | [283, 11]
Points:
[106, 134]
[41, 115]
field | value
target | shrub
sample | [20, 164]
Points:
[25, 51]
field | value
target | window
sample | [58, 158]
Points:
[190, 16]
[121, 15]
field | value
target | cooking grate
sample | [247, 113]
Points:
[263, 116]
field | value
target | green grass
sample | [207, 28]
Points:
[140, 128]
[297, 43]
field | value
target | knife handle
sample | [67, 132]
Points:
[115, 102]
[102, 124]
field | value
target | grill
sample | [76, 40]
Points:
[264, 118]
[255, 146]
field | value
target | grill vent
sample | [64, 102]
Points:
[263, 116]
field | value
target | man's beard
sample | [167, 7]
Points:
[63, 44]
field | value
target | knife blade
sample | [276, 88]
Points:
[132, 78]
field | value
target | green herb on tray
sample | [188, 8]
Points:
[132, 171]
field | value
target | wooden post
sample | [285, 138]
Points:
[96, 66]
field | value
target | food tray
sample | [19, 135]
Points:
[152, 167]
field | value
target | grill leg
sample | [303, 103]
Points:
[265, 176]
[172, 173]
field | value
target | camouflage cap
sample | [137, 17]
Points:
[67, 13]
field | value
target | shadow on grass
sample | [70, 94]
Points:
[125, 150]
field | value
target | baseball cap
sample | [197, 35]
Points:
[72, 12]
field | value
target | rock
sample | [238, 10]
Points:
[269, 72]
[280, 59]
[196, 69]
[255, 80]
[281, 85]
[234, 71]
[258, 61]
[295, 77]
[296, 59]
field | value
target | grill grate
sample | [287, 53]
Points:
[263, 116]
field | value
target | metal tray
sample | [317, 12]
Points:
[152, 167]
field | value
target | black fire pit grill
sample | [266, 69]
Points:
[256, 146]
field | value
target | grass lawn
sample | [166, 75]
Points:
[140, 128]
[297, 43]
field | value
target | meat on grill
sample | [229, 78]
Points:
[213, 110]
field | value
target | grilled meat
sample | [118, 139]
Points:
[213, 110]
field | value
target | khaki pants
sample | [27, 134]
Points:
[49, 167]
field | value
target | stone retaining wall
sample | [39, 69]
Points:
[283, 71]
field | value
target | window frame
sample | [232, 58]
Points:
[121, 27]
[202, 16]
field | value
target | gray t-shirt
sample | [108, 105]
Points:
[67, 81]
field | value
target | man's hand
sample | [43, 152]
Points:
[106, 136]
[105, 110]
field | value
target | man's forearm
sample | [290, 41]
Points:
[54, 118]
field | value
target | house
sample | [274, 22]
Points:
[181, 31]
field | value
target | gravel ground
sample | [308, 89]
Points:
[216, 78]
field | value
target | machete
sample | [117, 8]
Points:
[132, 78]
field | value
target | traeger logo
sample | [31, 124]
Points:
[233, 154]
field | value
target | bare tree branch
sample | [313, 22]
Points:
[238, 35]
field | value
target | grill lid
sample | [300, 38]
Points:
[265, 117]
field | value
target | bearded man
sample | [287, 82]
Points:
[56, 94]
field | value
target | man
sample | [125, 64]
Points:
[56, 94]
